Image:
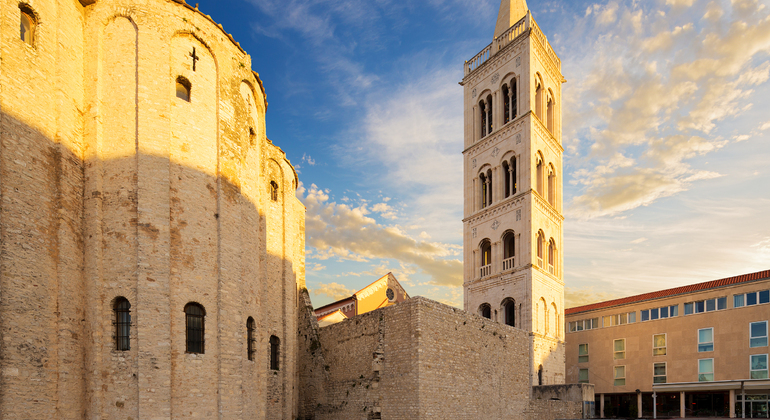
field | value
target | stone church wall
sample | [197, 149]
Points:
[111, 186]
[422, 360]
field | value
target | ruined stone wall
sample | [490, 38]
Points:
[423, 360]
[112, 186]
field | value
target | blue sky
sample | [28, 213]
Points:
[666, 129]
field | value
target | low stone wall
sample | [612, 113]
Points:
[421, 360]
[568, 399]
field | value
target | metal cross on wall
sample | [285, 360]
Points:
[194, 57]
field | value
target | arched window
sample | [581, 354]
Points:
[28, 25]
[485, 310]
[485, 188]
[122, 310]
[483, 112]
[540, 246]
[273, 190]
[489, 114]
[251, 339]
[506, 104]
[486, 258]
[551, 256]
[552, 185]
[540, 375]
[510, 312]
[183, 88]
[489, 187]
[539, 170]
[549, 116]
[539, 96]
[513, 99]
[275, 352]
[514, 181]
[195, 325]
[507, 179]
[509, 242]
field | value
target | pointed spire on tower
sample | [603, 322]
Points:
[511, 11]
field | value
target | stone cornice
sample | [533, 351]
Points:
[497, 135]
[547, 208]
[546, 134]
[497, 208]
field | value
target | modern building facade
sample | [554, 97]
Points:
[698, 350]
[513, 187]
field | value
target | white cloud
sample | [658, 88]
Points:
[342, 231]
[650, 105]
[333, 290]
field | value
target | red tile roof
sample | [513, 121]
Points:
[760, 275]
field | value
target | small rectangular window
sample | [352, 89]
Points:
[620, 375]
[764, 296]
[722, 303]
[688, 308]
[659, 345]
[595, 323]
[759, 366]
[578, 325]
[654, 314]
[646, 315]
[572, 326]
[606, 321]
[705, 370]
[751, 298]
[583, 353]
[659, 373]
[758, 334]
[674, 310]
[737, 301]
[631, 317]
[699, 307]
[664, 312]
[711, 305]
[583, 376]
[706, 339]
[619, 346]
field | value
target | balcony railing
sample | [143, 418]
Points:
[508, 264]
[486, 270]
[519, 28]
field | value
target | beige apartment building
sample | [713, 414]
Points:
[698, 350]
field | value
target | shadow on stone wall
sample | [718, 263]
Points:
[77, 234]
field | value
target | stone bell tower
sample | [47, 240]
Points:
[513, 238]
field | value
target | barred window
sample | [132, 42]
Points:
[275, 344]
[194, 321]
[122, 310]
[251, 338]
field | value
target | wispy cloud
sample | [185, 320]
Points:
[655, 87]
[335, 291]
[346, 232]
